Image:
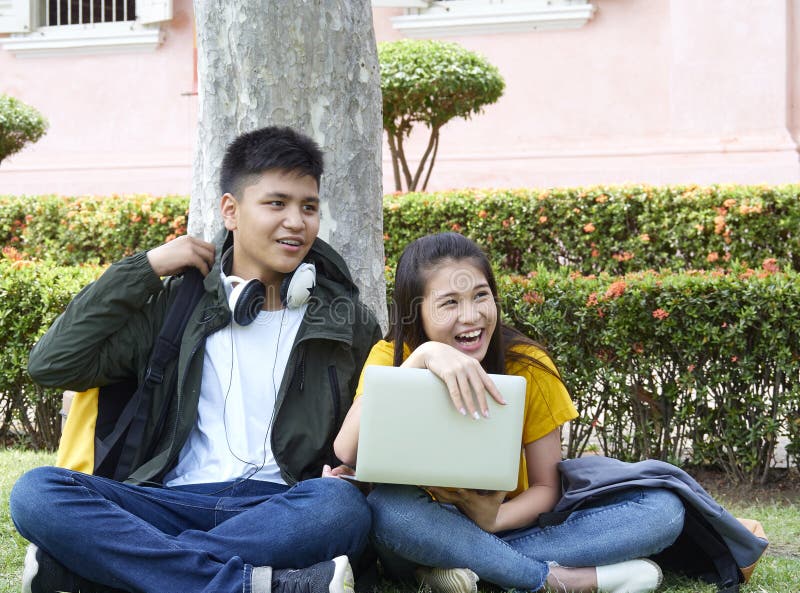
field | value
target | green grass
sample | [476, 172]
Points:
[13, 463]
[777, 572]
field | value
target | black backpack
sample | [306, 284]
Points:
[123, 408]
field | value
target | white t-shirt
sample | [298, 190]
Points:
[242, 372]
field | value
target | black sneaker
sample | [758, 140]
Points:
[43, 574]
[331, 576]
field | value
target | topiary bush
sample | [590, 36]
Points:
[430, 83]
[19, 125]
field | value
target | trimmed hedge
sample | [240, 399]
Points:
[75, 230]
[32, 296]
[699, 366]
[589, 230]
[610, 229]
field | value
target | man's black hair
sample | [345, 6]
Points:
[271, 148]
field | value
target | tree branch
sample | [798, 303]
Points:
[395, 164]
[425, 155]
[433, 160]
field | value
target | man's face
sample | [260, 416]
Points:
[274, 222]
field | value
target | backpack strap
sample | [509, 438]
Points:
[133, 418]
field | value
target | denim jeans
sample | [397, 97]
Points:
[201, 538]
[410, 529]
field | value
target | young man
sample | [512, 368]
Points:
[226, 493]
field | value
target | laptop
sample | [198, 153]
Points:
[410, 433]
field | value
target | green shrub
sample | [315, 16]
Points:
[19, 125]
[698, 366]
[32, 296]
[609, 229]
[589, 230]
[73, 230]
[430, 83]
[714, 381]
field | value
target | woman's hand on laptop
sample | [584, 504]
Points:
[463, 375]
[479, 505]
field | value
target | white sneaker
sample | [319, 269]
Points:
[448, 580]
[632, 576]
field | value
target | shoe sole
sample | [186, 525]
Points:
[342, 580]
[31, 568]
[658, 568]
[450, 580]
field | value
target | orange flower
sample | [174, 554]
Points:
[770, 264]
[533, 298]
[542, 219]
[745, 209]
[660, 314]
[11, 253]
[712, 257]
[617, 289]
[644, 238]
[588, 228]
[456, 227]
[483, 214]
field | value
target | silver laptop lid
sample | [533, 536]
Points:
[410, 433]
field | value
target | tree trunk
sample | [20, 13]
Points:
[312, 66]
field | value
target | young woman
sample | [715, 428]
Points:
[446, 318]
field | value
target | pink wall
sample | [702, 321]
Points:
[657, 91]
[651, 91]
[119, 121]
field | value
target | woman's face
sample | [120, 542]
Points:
[458, 307]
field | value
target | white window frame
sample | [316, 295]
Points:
[19, 17]
[431, 18]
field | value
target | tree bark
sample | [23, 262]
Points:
[309, 65]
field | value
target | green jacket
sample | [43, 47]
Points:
[106, 333]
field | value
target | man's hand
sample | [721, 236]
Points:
[337, 472]
[482, 507]
[184, 252]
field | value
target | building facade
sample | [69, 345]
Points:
[597, 91]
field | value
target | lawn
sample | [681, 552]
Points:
[779, 512]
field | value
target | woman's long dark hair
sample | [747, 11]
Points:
[418, 260]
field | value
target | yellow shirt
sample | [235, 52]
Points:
[547, 403]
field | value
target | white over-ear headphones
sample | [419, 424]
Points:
[247, 297]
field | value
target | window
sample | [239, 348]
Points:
[439, 18]
[52, 27]
[88, 12]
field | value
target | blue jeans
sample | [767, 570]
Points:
[201, 538]
[410, 529]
